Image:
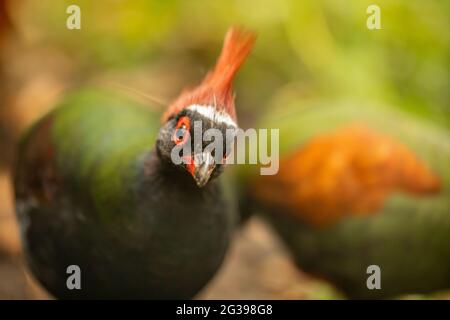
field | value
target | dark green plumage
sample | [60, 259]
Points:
[409, 237]
[91, 191]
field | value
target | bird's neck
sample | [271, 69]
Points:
[158, 170]
[173, 195]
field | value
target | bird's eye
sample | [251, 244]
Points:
[181, 130]
[179, 133]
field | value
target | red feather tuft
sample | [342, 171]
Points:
[216, 88]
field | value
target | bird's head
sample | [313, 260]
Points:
[182, 141]
[194, 121]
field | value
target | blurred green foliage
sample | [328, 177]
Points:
[306, 51]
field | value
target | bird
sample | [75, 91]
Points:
[96, 190]
[358, 186]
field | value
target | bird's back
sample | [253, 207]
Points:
[89, 143]
[73, 183]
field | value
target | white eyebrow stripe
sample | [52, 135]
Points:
[212, 113]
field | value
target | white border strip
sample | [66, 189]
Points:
[213, 114]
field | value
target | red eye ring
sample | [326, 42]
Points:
[181, 131]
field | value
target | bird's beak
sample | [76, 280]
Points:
[204, 166]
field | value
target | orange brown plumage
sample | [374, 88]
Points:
[350, 171]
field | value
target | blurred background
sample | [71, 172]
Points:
[307, 51]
